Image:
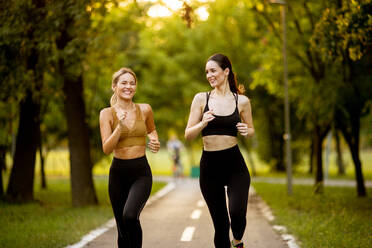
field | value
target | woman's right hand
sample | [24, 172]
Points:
[207, 117]
[121, 115]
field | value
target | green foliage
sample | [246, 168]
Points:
[113, 44]
[345, 26]
[344, 36]
[168, 54]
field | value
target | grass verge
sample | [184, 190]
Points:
[57, 164]
[336, 218]
[51, 221]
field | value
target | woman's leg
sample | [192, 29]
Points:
[118, 193]
[213, 191]
[138, 195]
[237, 190]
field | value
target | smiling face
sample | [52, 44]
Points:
[126, 86]
[216, 76]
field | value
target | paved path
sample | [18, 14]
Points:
[181, 220]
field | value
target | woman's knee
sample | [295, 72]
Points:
[129, 216]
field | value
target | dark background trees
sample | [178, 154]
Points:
[57, 58]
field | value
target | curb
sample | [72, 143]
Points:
[111, 223]
[267, 213]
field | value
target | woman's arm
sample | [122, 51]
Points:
[109, 137]
[154, 144]
[245, 127]
[194, 124]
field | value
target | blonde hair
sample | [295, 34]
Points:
[115, 78]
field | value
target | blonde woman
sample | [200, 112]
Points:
[219, 115]
[124, 127]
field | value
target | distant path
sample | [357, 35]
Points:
[310, 181]
[181, 220]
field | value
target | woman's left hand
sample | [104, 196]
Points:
[242, 128]
[154, 145]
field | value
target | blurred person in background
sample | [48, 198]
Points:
[175, 146]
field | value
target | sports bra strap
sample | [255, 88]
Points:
[139, 115]
[208, 94]
[236, 98]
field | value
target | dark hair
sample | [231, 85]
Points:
[224, 62]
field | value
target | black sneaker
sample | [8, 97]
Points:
[240, 245]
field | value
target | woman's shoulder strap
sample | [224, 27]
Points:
[208, 94]
[139, 112]
[236, 98]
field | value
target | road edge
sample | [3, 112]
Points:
[289, 239]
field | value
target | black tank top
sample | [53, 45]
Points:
[222, 124]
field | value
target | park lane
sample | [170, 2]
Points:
[181, 220]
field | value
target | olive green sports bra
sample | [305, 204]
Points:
[135, 136]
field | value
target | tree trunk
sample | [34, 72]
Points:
[339, 160]
[361, 189]
[319, 177]
[352, 138]
[311, 163]
[82, 186]
[276, 143]
[42, 165]
[2, 168]
[21, 181]
[319, 135]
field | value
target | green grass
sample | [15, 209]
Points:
[335, 219]
[51, 221]
[160, 163]
[57, 164]
[301, 170]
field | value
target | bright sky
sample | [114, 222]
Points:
[168, 6]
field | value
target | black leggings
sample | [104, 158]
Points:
[217, 170]
[130, 184]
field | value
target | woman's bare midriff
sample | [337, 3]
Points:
[130, 152]
[219, 142]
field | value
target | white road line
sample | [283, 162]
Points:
[201, 203]
[196, 214]
[187, 234]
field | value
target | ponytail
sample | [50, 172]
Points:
[113, 99]
[234, 86]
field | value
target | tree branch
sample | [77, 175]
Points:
[297, 24]
[270, 22]
[309, 15]
[293, 51]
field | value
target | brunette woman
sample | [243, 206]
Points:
[219, 115]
